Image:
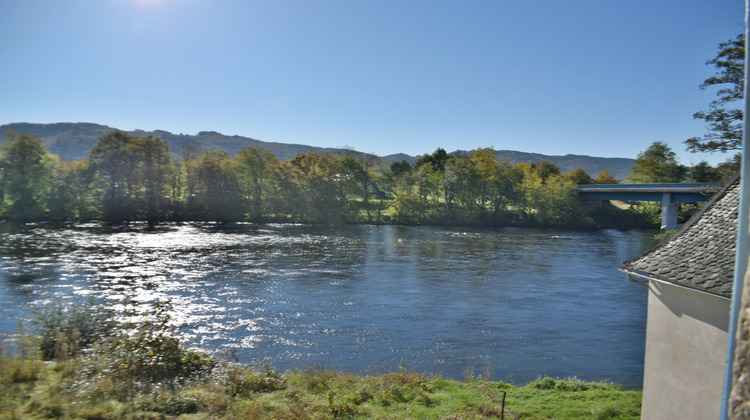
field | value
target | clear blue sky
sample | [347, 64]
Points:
[595, 77]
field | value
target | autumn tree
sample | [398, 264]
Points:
[551, 201]
[579, 176]
[545, 169]
[605, 177]
[555, 201]
[489, 169]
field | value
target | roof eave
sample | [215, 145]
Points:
[634, 275]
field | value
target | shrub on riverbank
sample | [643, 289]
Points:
[139, 371]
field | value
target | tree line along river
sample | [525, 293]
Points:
[510, 303]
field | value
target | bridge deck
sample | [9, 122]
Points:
[678, 193]
[668, 194]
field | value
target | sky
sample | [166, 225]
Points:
[592, 77]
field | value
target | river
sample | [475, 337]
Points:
[509, 303]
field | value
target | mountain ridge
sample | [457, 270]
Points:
[72, 141]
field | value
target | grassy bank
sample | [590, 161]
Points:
[80, 361]
[34, 389]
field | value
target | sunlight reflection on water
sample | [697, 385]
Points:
[516, 302]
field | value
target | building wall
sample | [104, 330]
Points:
[740, 398]
[686, 342]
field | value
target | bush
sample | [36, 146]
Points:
[244, 381]
[147, 348]
[17, 369]
[571, 384]
[67, 328]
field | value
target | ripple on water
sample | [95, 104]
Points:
[525, 301]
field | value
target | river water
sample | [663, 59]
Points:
[509, 303]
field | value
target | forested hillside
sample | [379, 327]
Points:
[72, 141]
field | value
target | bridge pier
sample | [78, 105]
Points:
[668, 213]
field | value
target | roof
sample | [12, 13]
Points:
[700, 255]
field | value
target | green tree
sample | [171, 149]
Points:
[462, 188]
[217, 195]
[75, 191]
[437, 159]
[730, 168]
[400, 168]
[724, 125]
[185, 182]
[426, 181]
[257, 167]
[360, 169]
[703, 172]
[27, 169]
[287, 200]
[135, 171]
[657, 164]
[509, 191]
[112, 157]
[398, 182]
[153, 167]
[320, 183]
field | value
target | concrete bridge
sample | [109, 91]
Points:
[668, 194]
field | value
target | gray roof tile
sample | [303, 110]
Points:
[701, 254]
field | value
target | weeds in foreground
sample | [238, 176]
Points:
[141, 370]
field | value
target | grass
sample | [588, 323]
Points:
[32, 388]
[145, 374]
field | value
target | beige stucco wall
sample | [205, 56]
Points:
[740, 399]
[686, 344]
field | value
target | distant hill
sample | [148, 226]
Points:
[72, 141]
[618, 167]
